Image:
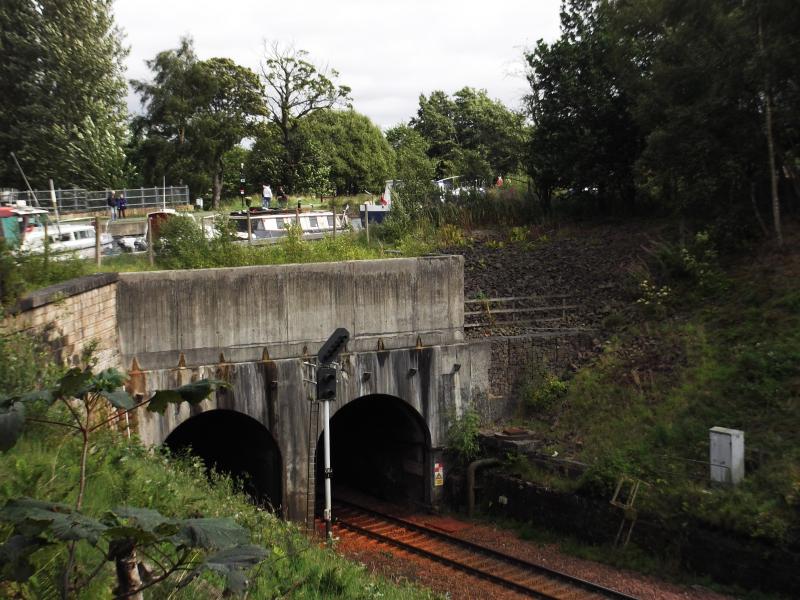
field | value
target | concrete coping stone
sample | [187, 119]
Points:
[62, 290]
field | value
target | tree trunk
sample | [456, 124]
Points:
[123, 553]
[773, 173]
[217, 185]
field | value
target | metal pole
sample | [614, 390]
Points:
[333, 210]
[249, 229]
[366, 220]
[97, 257]
[326, 417]
[150, 252]
[55, 205]
[21, 172]
[297, 214]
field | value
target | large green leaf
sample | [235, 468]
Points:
[143, 525]
[12, 421]
[108, 380]
[74, 383]
[14, 555]
[119, 399]
[35, 517]
[211, 533]
[232, 563]
[193, 393]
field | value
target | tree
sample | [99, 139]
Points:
[62, 93]
[196, 112]
[353, 147]
[296, 88]
[585, 138]
[411, 155]
[435, 122]
[715, 91]
[470, 134]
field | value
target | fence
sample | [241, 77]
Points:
[530, 312]
[79, 200]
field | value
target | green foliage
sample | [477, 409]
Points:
[357, 154]
[644, 407]
[542, 398]
[470, 134]
[462, 435]
[63, 91]
[196, 112]
[294, 89]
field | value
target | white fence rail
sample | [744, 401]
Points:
[80, 200]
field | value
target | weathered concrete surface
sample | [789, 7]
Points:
[286, 309]
[432, 381]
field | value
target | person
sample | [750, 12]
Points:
[282, 197]
[499, 182]
[266, 196]
[122, 204]
[112, 205]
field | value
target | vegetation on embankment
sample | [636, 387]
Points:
[123, 473]
[45, 464]
[703, 346]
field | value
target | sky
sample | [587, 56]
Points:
[387, 52]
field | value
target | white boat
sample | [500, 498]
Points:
[271, 224]
[376, 213]
[66, 239]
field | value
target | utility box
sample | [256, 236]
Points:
[726, 451]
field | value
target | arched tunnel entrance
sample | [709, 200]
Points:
[233, 443]
[380, 446]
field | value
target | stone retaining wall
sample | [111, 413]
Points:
[73, 316]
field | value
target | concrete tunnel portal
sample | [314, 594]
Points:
[235, 444]
[380, 447]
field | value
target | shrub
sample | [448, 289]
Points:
[462, 436]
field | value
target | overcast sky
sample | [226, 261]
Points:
[388, 52]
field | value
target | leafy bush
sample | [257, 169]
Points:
[462, 436]
[543, 398]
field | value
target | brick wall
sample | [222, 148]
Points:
[515, 358]
[71, 316]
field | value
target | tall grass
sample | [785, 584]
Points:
[122, 472]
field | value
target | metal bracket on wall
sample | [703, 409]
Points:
[624, 498]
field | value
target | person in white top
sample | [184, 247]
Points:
[266, 196]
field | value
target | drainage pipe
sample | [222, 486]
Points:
[474, 466]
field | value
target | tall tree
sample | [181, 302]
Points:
[470, 134]
[62, 108]
[296, 88]
[585, 137]
[196, 112]
[353, 147]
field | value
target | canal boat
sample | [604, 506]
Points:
[266, 224]
[66, 239]
[138, 243]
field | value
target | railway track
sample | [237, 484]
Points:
[509, 572]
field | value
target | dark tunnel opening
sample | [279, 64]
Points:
[237, 445]
[380, 446]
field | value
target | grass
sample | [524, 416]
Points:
[122, 472]
[728, 356]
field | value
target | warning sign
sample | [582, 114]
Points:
[438, 474]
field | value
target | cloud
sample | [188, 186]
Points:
[388, 52]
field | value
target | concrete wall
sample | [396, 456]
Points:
[435, 382]
[70, 316]
[285, 309]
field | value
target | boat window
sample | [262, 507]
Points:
[313, 221]
[280, 223]
[65, 237]
[330, 221]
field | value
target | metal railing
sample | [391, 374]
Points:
[79, 200]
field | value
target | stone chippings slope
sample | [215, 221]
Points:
[596, 266]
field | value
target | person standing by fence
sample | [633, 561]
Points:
[266, 196]
[122, 204]
[111, 202]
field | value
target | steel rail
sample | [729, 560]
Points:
[553, 574]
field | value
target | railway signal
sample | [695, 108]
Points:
[326, 392]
